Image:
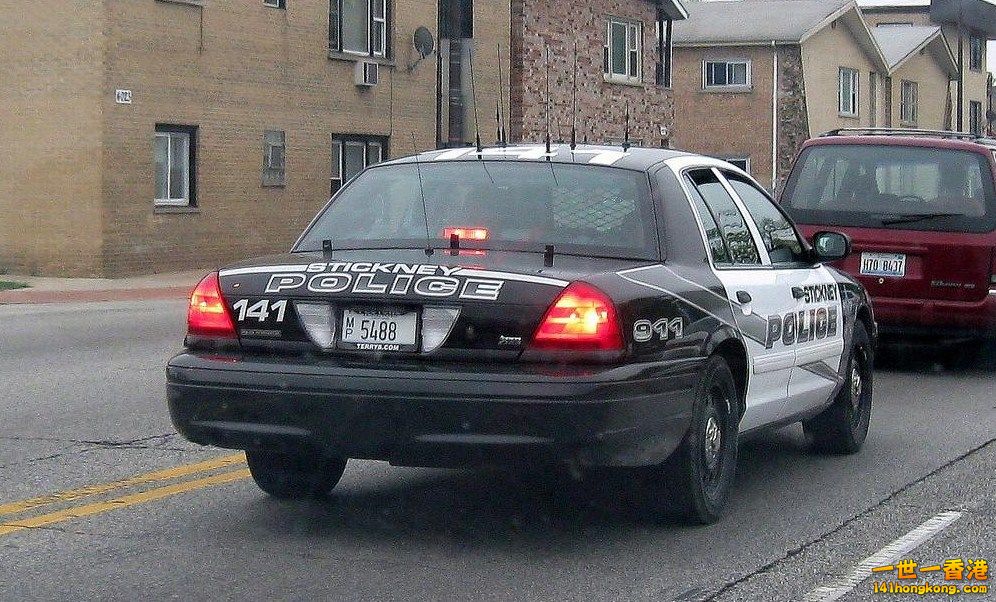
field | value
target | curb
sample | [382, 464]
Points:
[28, 296]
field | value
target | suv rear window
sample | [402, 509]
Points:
[907, 187]
[584, 210]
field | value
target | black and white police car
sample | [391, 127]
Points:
[594, 307]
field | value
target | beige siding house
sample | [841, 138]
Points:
[831, 70]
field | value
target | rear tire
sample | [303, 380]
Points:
[294, 475]
[696, 480]
[843, 427]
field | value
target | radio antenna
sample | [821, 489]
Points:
[500, 115]
[548, 99]
[421, 193]
[473, 92]
[626, 136]
[574, 100]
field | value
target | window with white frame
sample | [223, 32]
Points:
[908, 110]
[847, 92]
[173, 155]
[274, 158]
[275, 3]
[726, 74]
[622, 58]
[359, 27]
[741, 162]
[976, 53]
[352, 154]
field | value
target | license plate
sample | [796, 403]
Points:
[379, 330]
[883, 264]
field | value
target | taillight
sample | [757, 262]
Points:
[207, 315]
[582, 317]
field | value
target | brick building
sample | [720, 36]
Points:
[754, 79]
[623, 60]
[139, 136]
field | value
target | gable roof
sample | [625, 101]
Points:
[755, 21]
[901, 42]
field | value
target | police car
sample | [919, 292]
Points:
[524, 305]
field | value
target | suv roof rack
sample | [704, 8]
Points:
[907, 132]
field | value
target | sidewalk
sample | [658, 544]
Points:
[78, 290]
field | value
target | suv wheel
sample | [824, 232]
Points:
[294, 475]
[842, 428]
[698, 476]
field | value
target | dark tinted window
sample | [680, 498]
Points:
[717, 245]
[777, 233]
[500, 205]
[731, 222]
[894, 186]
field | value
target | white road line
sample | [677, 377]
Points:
[887, 555]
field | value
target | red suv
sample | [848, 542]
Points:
[920, 208]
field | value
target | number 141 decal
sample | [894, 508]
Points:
[260, 310]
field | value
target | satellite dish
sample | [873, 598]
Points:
[424, 43]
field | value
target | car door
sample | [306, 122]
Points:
[754, 289]
[814, 326]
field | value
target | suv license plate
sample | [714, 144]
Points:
[373, 330]
[883, 264]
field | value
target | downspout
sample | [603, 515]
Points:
[774, 116]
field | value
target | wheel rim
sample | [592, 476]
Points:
[713, 442]
[859, 386]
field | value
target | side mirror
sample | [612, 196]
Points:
[831, 246]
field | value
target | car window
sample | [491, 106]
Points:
[876, 185]
[496, 205]
[717, 244]
[731, 221]
[777, 233]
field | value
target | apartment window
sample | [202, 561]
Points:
[908, 102]
[274, 158]
[174, 152]
[975, 117]
[726, 74]
[275, 3]
[622, 58]
[847, 92]
[358, 27]
[352, 154]
[741, 162]
[665, 50]
[976, 53]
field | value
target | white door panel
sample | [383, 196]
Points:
[820, 342]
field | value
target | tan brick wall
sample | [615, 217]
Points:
[601, 105]
[50, 136]
[231, 68]
[720, 123]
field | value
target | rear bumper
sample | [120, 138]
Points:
[623, 416]
[939, 319]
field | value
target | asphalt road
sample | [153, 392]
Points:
[81, 405]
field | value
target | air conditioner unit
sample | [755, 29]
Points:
[367, 73]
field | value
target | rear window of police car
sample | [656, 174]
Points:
[506, 205]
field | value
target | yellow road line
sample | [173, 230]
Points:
[150, 477]
[123, 501]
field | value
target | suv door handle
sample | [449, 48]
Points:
[743, 297]
[797, 292]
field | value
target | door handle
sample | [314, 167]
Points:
[798, 293]
[743, 297]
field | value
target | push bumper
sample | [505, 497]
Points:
[622, 416]
[937, 319]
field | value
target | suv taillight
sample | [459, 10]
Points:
[207, 314]
[581, 318]
[992, 271]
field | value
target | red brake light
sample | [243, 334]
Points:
[207, 314]
[582, 317]
[464, 233]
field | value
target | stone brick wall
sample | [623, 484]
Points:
[537, 24]
[793, 119]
